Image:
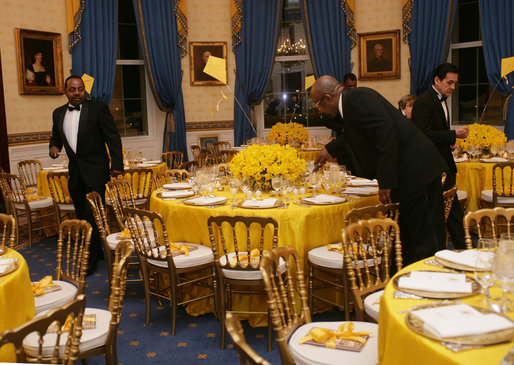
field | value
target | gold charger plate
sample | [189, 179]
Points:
[277, 204]
[186, 194]
[14, 268]
[475, 288]
[189, 202]
[322, 203]
[3, 249]
[453, 265]
[491, 338]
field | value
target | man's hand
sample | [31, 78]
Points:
[322, 157]
[115, 173]
[54, 152]
[385, 196]
[462, 132]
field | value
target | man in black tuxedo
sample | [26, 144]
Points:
[431, 114]
[383, 144]
[84, 128]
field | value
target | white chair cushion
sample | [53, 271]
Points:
[310, 354]
[202, 255]
[57, 298]
[113, 241]
[372, 304]
[90, 339]
[321, 256]
[246, 274]
[67, 207]
[462, 195]
[44, 202]
[487, 195]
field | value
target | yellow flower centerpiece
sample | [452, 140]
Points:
[293, 134]
[260, 163]
[483, 136]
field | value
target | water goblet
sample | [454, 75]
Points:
[276, 183]
[494, 149]
[503, 269]
[234, 185]
[314, 181]
[486, 279]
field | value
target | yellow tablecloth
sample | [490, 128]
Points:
[474, 177]
[308, 155]
[44, 190]
[398, 344]
[16, 300]
[302, 227]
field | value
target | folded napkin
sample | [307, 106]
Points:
[264, 203]
[331, 338]
[153, 161]
[205, 200]
[362, 190]
[461, 159]
[324, 199]
[176, 193]
[7, 265]
[439, 282]
[467, 257]
[460, 320]
[177, 186]
[363, 182]
[494, 159]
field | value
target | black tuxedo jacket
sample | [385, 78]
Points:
[383, 144]
[428, 115]
[96, 130]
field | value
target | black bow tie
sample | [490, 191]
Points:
[72, 108]
[443, 98]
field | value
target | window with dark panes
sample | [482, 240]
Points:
[128, 102]
[473, 91]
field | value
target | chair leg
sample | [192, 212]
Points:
[29, 219]
[146, 281]
[270, 332]
[174, 295]
[222, 315]
[310, 287]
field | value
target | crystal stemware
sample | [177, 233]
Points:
[314, 180]
[276, 183]
[234, 185]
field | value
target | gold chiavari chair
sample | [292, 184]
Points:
[28, 171]
[368, 248]
[72, 258]
[326, 266]
[291, 317]
[170, 176]
[59, 347]
[34, 212]
[195, 151]
[489, 223]
[58, 184]
[140, 180]
[119, 196]
[8, 231]
[185, 265]
[191, 166]
[237, 260]
[173, 159]
[502, 194]
[227, 155]
[246, 354]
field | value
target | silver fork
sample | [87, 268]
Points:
[509, 358]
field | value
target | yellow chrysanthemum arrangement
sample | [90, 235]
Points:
[260, 163]
[288, 133]
[482, 135]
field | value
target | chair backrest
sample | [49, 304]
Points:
[140, 180]
[191, 166]
[58, 184]
[227, 155]
[28, 170]
[180, 174]
[377, 211]
[207, 158]
[221, 146]
[284, 293]
[15, 188]
[102, 222]
[503, 175]
[246, 354]
[368, 246]
[448, 197]
[490, 223]
[44, 326]
[234, 237]
[7, 230]
[120, 195]
[73, 252]
[173, 159]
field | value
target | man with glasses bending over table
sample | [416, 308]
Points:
[383, 144]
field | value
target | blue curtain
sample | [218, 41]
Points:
[431, 29]
[254, 60]
[95, 54]
[326, 29]
[158, 36]
[498, 42]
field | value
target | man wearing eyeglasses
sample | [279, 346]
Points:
[383, 144]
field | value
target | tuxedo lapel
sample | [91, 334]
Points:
[61, 130]
[81, 137]
[440, 111]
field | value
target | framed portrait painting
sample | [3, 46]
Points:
[199, 53]
[206, 142]
[379, 55]
[39, 58]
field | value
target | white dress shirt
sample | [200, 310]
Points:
[71, 126]
[443, 104]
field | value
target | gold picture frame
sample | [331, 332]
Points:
[379, 55]
[39, 59]
[197, 53]
[206, 141]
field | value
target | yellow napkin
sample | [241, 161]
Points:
[344, 332]
[243, 259]
[335, 247]
[39, 288]
[184, 248]
[32, 197]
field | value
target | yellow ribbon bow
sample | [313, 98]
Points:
[344, 332]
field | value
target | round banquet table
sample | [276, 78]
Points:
[16, 300]
[301, 227]
[398, 344]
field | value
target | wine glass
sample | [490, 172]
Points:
[494, 149]
[234, 185]
[485, 260]
[470, 149]
[334, 177]
[503, 269]
[314, 180]
[276, 183]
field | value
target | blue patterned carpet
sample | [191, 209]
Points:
[196, 340]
